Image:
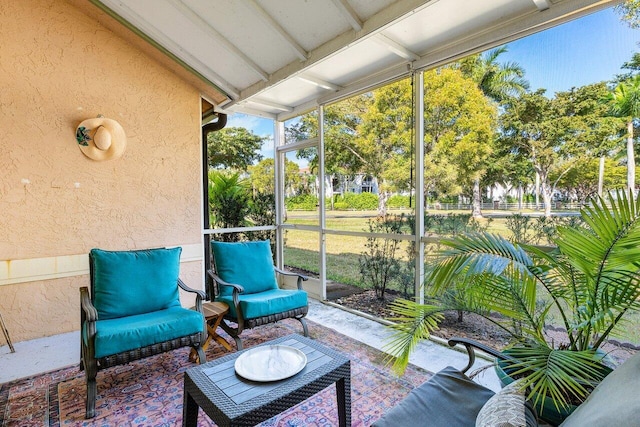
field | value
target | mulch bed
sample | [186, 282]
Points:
[472, 326]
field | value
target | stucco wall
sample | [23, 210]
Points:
[57, 68]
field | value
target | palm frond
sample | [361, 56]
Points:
[474, 254]
[413, 322]
[555, 373]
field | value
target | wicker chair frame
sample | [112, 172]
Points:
[91, 365]
[215, 282]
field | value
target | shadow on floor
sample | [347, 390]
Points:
[340, 290]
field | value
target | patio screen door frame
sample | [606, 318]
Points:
[281, 149]
[418, 239]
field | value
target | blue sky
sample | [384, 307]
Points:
[583, 51]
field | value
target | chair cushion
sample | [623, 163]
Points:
[266, 303]
[249, 264]
[614, 402]
[126, 283]
[448, 399]
[114, 336]
[507, 408]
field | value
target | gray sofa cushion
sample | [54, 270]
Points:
[448, 399]
[614, 402]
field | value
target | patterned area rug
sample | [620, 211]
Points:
[149, 392]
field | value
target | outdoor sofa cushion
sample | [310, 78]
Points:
[249, 264]
[448, 399]
[127, 283]
[614, 402]
[266, 303]
[115, 336]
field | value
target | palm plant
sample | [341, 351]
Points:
[498, 82]
[590, 280]
[625, 100]
[228, 201]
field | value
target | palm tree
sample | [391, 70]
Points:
[229, 204]
[626, 103]
[591, 281]
[498, 82]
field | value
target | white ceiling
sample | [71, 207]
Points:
[279, 58]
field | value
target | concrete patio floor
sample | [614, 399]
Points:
[50, 353]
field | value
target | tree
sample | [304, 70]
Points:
[261, 177]
[384, 138]
[532, 128]
[588, 116]
[234, 148]
[459, 128]
[371, 134]
[582, 180]
[630, 12]
[625, 103]
[228, 202]
[498, 82]
[340, 129]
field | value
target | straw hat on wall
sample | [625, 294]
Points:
[101, 138]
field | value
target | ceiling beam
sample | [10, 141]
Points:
[473, 43]
[396, 47]
[243, 109]
[347, 11]
[307, 78]
[372, 25]
[222, 40]
[270, 104]
[267, 19]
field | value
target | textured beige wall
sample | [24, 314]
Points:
[57, 68]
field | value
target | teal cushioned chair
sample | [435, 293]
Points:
[244, 278]
[134, 311]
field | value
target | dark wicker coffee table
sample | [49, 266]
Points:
[231, 400]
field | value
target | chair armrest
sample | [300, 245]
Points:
[469, 346]
[237, 289]
[88, 319]
[184, 287]
[221, 282]
[199, 295]
[301, 278]
[290, 273]
[88, 311]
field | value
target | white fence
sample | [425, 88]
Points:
[515, 207]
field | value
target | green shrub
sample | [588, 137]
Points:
[452, 224]
[540, 230]
[398, 201]
[341, 206]
[302, 202]
[521, 228]
[448, 199]
[229, 201]
[359, 202]
[378, 263]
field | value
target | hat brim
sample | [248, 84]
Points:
[118, 139]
